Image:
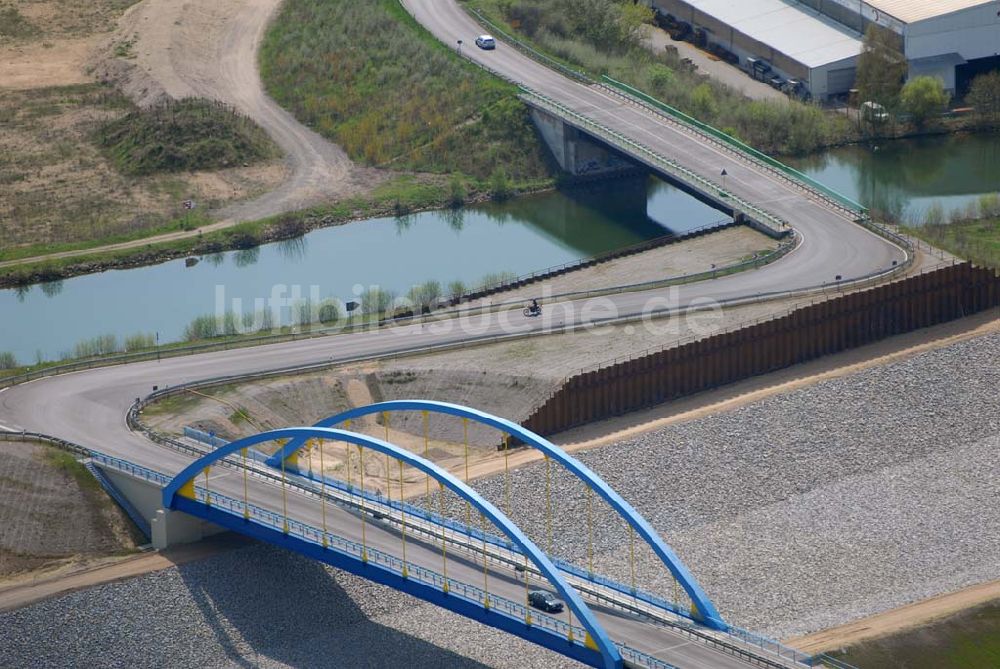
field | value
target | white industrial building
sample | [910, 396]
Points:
[818, 41]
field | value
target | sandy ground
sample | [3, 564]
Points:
[61, 63]
[57, 48]
[48, 518]
[208, 48]
[26, 589]
[47, 154]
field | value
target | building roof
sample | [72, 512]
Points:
[795, 30]
[911, 11]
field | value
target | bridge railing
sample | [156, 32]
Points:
[657, 605]
[474, 594]
[391, 563]
[777, 226]
[622, 88]
[748, 151]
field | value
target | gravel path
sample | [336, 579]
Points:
[800, 512]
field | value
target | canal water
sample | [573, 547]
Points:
[906, 177]
[521, 236]
[518, 236]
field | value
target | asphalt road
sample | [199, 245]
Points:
[463, 566]
[89, 407]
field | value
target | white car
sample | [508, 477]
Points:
[486, 42]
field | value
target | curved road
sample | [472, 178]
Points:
[89, 407]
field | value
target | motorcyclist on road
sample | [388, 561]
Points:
[535, 309]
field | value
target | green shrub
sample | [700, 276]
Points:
[500, 186]
[494, 279]
[457, 191]
[7, 360]
[923, 97]
[329, 312]
[183, 135]
[100, 345]
[208, 327]
[140, 341]
[424, 295]
[375, 300]
[13, 23]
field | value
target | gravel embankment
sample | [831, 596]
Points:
[799, 512]
[813, 508]
[254, 607]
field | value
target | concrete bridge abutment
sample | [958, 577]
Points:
[579, 155]
[167, 528]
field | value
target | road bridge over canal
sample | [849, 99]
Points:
[833, 242]
[480, 565]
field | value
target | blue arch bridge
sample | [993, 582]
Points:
[466, 555]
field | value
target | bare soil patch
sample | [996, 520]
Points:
[508, 379]
[701, 254]
[50, 42]
[206, 49]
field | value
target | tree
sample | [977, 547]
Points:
[881, 67]
[984, 95]
[631, 22]
[375, 300]
[7, 360]
[703, 103]
[923, 97]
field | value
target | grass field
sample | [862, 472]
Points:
[366, 76]
[972, 233]
[968, 640]
[397, 197]
[975, 240]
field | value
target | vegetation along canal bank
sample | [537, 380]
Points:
[457, 135]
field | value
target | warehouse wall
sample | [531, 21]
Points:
[972, 33]
[744, 45]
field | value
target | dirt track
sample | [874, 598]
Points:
[208, 48]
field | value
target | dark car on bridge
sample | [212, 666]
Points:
[545, 601]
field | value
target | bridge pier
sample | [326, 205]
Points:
[583, 155]
[577, 154]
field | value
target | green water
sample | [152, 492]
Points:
[905, 177]
[520, 236]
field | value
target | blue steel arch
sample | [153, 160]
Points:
[609, 652]
[705, 613]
